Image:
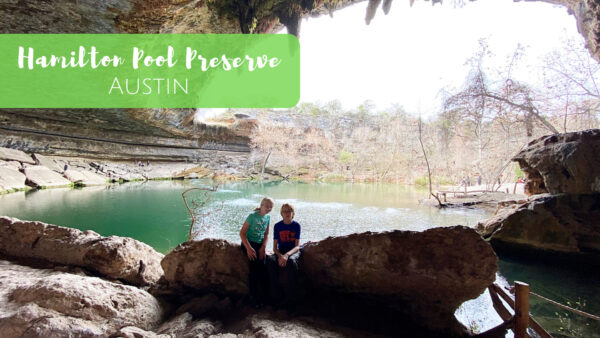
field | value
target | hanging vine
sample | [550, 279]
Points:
[199, 210]
[261, 16]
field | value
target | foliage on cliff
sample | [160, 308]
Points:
[480, 128]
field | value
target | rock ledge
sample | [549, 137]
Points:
[114, 257]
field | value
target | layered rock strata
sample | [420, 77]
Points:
[119, 258]
[116, 135]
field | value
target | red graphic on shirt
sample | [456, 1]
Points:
[287, 236]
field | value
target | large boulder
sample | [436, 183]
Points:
[209, 265]
[116, 257]
[84, 177]
[425, 274]
[563, 223]
[8, 154]
[562, 163]
[47, 303]
[11, 164]
[48, 163]
[558, 221]
[42, 177]
[11, 179]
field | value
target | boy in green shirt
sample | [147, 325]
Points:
[254, 235]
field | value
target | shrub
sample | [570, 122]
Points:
[424, 180]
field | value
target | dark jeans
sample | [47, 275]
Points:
[257, 277]
[283, 280]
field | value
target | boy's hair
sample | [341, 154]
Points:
[287, 206]
[265, 200]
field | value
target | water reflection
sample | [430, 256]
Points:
[154, 212]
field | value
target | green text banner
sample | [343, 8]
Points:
[149, 71]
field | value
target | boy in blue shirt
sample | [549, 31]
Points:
[284, 264]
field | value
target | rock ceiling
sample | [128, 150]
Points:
[211, 16]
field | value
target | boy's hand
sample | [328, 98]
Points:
[261, 252]
[251, 254]
[282, 260]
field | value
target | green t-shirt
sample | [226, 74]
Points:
[258, 226]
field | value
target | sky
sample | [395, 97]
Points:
[407, 56]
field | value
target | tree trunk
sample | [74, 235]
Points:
[566, 114]
[262, 170]
[428, 169]
[528, 124]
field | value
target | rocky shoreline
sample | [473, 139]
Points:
[489, 200]
[21, 171]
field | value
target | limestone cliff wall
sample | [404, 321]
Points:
[115, 134]
[165, 133]
[159, 134]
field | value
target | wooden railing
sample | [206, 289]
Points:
[520, 320]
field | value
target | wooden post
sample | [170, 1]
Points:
[521, 309]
